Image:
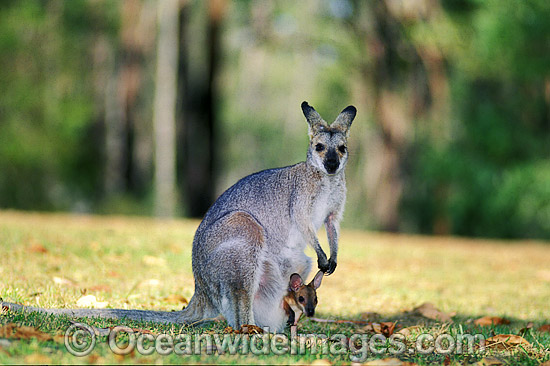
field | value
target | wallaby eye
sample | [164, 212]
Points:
[342, 149]
[301, 299]
[319, 147]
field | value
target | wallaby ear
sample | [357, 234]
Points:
[344, 119]
[314, 120]
[317, 279]
[295, 282]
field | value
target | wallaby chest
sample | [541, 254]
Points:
[329, 199]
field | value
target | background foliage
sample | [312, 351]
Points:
[452, 135]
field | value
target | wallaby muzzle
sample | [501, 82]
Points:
[331, 162]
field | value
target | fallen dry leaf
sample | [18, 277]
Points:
[97, 288]
[491, 320]
[90, 301]
[428, 310]
[245, 329]
[176, 299]
[505, 341]
[387, 328]
[12, 330]
[544, 328]
[37, 248]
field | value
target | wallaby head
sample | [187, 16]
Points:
[328, 150]
[305, 296]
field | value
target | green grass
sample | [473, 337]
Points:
[52, 260]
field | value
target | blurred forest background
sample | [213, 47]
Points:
[155, 107]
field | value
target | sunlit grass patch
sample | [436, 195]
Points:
[53, 260]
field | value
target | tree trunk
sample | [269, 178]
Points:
[200, 66]
[164, 120]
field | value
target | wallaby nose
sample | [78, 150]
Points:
[310, 312]
[331, 161]
[332, 165]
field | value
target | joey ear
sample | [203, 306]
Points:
[317, 279]
[344, 119]
[314, 120]
[295, 282]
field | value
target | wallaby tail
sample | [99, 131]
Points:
[139, 315]
[198, 310]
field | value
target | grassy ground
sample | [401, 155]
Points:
[52, 260]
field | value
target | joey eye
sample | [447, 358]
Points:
[301, 299]
[319, 147]
[342, 149]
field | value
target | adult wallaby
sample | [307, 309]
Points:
[301, 298]
[254, 236]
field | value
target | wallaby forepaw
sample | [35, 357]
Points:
[331, 266]
[323, 263]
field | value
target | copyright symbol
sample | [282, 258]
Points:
[80, 339]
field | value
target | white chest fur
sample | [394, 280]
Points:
[321, 208]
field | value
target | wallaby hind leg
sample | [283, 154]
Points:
[231, 288]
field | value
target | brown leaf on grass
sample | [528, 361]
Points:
[176, 299]
[385, 328]
[245, 329]
[428, 310]
[114, 274]
[505, 342]
[544, 328]
[491, 320]
[37, 248]
[97, 288]
[12, 330]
